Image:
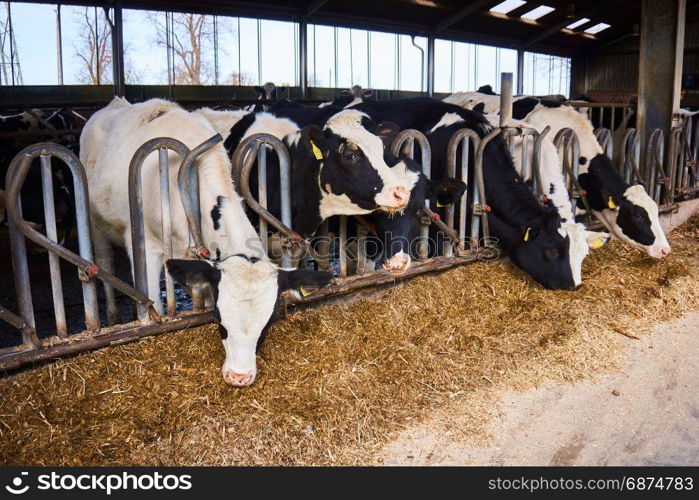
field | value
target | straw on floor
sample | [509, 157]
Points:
[337, 382]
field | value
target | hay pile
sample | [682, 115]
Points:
[336, 382]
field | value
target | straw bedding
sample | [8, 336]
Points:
[337, 382]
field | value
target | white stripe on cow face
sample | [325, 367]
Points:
[247, 294]
[348, 125]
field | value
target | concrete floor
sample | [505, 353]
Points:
[647, 413]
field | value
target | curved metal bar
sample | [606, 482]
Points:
[606, 142]
[188, 185]
[568, 145]
[653, 168]
[509, 134]
[674, 164]
[628, 158]
[244, 158]
[467, 138]
[404, 144]
[537, 185]
[480, 206]
[17, 173]
[138, 236]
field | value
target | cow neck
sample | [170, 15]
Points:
[305, 194]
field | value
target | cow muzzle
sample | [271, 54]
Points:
[393, 199]
[237, 379]
[397, 264]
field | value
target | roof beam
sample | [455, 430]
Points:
[315, 6]
[460, 14]
[552, 30]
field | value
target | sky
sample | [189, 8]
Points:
[392, 63]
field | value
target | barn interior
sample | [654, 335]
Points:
[610, 57]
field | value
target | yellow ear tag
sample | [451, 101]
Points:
[611, 204]
[526, 235]
[598, 243]
[316, 151]
[304, 292]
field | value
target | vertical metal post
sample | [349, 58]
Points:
[505, 99]
[59, 46]
[430, 64]
[343, 246]
[362, 234]
[520, 71]
[259, 52]
[52, 234]
[660, 67]
[118, 51]
[262, 191]
[303, 58]
[167, 226]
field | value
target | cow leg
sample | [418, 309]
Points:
[104, 257]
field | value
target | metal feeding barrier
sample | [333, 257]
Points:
[33, 349]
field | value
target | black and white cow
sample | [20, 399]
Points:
[245, 284]
[340, 164]
[530, 233]
[625, 210]
[397, 232]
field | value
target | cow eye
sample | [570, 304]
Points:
[637, 216]
[350, 157]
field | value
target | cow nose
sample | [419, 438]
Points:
[401, 196]
[238, 380]
[665, 251]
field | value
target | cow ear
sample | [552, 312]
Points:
[368, 93]
[193, 272]
[387, 131]
[610, 200]
[314, 139]
[446, 192]
[302, 279]
[258, 89]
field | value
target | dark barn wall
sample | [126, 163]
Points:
[614, 69]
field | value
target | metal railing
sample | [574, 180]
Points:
[465, 157]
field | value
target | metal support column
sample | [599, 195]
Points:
[303, 58]
[520, 71]
[660, 67]
[430, 64]
[118, 50]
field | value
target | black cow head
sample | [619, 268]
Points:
[626, 210]
[538, 249]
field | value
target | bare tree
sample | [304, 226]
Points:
[240, 79]
[93, 46]
[191, 35]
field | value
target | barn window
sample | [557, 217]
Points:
[597, 28]
[537, 13]
[145, 50]
[546, 74]
[507, 6]
[87, 46]
[465, 66]
[578, 23]
[28, 51]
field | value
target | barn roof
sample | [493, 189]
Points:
[452, 19]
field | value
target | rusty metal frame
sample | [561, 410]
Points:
[32, 348]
